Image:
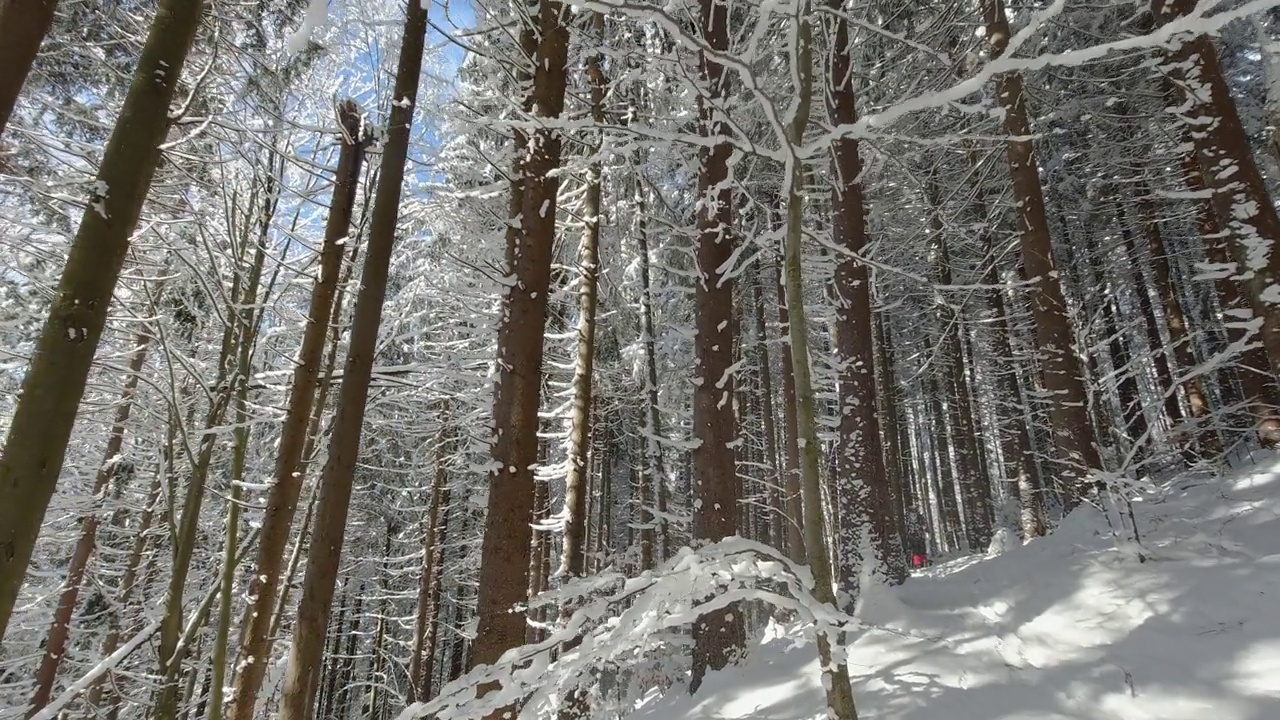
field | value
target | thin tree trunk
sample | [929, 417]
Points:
[717, 635]
[238, 340]
[40, 429]
[344, 443]
[56, 642]
[887, 404]
[573, 556]
[773, 483]
[654, 473]
[1073, 436]
[124, 592]
[791, 444]
[1015, 441]
[504, 552]
[217, 672]
[282, 499]
[835, 674]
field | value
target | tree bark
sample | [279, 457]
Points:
[862, 493]
[504, 551]
[717, 635]
[1238, 191]
[794, 516]
[344, 443]
[54, 383]
[1076, 447]
[56, 641]
[23, 26]
[655, 476]
[282, 499]
[835, 674]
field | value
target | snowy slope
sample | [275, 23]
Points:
[1066, 628]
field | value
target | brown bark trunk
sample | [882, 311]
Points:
[1076, 447]
[344, 444]
[1238, 191]
[773, 482]
[1253, 368]
[428, 588]
[23, 26]
[1175, 323]
[950, 525]
[655, 476]
[862, 497]
[887, 404]
[56, 641]
[1015, 441]
[40, 429]
[282, 500]
[504, 552]
[716, 635]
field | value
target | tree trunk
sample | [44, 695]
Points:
[1254, 369]
[344, 443]
[504, 552]
[773, 483]
[717, 635]
[862, 496]
[54, 383]
[1073, 436]
[23, 26]
[282, 500]
[887, 404]
[794, 519]
[238, 340]
[56, 642]
[1238, 191]
[655, 476]
[573, 556]
[835, 674]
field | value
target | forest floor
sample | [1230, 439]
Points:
[1068, 627]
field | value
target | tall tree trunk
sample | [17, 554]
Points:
[1238, 191]
[794, 519]
[863, 496]
[344, 443]
[1073, 436]
[217, 671]
[887, 406]
[23, 26]
[54, 383]
[774, 467]
[835, 674]
[1015, 441]
[573, 555]
[282, 499]
[56, 642]
[975, 487]
[717, 635]
[124, 591]
[504, 552]
[238, 341]
[426, 582]
[1254, 369]
[655, 476]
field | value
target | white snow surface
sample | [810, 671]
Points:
[1069, 627]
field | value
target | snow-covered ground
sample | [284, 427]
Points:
[1066, 628]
